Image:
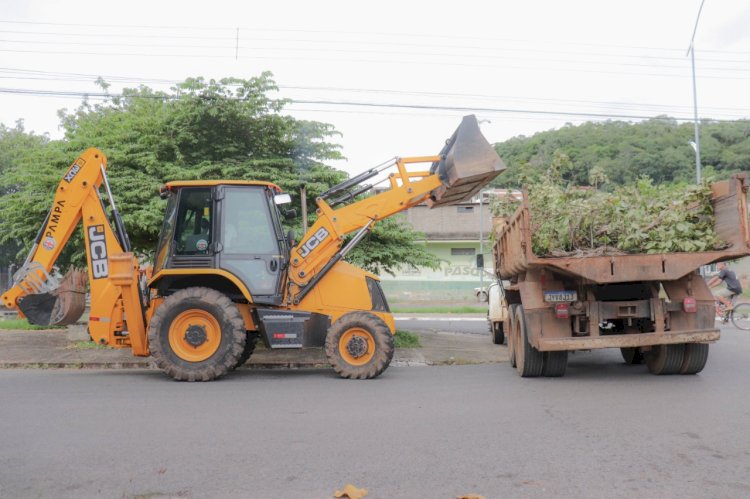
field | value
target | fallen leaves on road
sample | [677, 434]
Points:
[351, 492]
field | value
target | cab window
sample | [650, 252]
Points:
[194, 229]
[248, 225]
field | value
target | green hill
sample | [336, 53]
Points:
[616, 152]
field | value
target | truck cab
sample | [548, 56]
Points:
[223, 230]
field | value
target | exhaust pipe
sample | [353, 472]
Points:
[468, 163]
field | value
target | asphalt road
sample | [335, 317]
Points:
[604, 430]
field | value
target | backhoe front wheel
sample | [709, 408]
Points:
[197, 334]
[359, 346]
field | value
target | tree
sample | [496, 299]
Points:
[19, 153]
[225, 129]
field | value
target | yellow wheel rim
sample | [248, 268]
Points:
[357, 346]
[194, 335]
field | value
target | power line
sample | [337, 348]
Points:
[488, 110]
[61, 76]
[231, 29]
[441, 55]
[473, 109]
[410, 63]
[400, 44]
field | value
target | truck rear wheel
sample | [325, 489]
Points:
[665, 359]
[554, 364]
[359, 346]
[512, 341]
[529, 360]
[197, 334]
[696, 355]
[632, 355]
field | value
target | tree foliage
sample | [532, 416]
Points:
[225, 129]
[618, 153]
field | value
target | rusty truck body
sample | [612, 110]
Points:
[656, 308]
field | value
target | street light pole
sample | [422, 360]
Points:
[697, 147]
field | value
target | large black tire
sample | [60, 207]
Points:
[512, 341]
[529, 360]
[632, 355]
[554, 364]
[498, 335]
[696, 355]
[359, 346]
[665, 359]
[252, 340]
[206, 321]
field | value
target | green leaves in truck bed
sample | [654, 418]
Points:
[636, 218]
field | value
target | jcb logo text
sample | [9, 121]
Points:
[98, 251]
[313, 242]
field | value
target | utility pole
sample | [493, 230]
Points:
[697, 147]
[481, 243]
[303, 202]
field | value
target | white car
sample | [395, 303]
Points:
[497, 312]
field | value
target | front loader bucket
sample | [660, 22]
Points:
[61, 307]
[468, 163]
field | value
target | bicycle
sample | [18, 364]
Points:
[739, 314]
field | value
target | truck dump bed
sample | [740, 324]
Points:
[513, 253]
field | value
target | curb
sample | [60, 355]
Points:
[148, 365]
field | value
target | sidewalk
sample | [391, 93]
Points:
[67, 349]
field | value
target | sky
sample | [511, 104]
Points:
[394, 78]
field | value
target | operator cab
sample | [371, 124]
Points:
[233, 226]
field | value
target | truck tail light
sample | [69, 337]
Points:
[689, 305]
[562, 310]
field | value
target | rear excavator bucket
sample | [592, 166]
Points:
[468, 163]
[61, 306]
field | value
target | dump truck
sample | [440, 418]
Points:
[656, 308]
[224, 272]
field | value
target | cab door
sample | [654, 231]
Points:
[252, 244]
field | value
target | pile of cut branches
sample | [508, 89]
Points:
[637, 218]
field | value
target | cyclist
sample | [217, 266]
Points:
[733, 286]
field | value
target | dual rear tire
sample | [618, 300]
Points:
[528, 361]
[685, 358]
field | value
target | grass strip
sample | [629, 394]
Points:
[406, 339]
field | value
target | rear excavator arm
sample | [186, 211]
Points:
[116, 314]
[465, 165]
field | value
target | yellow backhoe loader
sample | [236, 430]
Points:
[224, 273]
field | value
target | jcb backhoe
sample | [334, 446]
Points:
[225, 274]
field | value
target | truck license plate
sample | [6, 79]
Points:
[558, 296]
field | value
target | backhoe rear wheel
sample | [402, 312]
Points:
[197, 334]
[359, 346]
